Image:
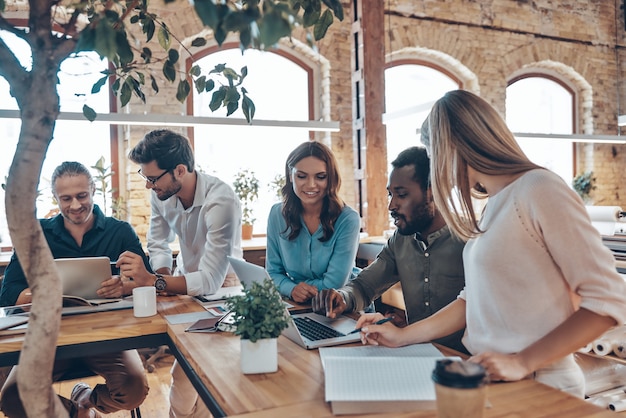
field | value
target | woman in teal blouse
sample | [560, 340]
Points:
[312, 236]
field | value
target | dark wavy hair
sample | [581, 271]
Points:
[292, 206]
[165, 147]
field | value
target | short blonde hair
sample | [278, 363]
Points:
[465, 131]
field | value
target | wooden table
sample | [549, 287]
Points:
[298, 386]
[212, 364]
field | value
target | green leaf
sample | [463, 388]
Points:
[311, 14]
[198, 42]
[322, 25]
[195, 70]
[164, 38]
[87, 40]
[148, 29]
[336, 7]
[217, 99]
[272, 27]
[98, 84]
[125, 93]
[245, 38]
[210, 85]
[89, 113]
[200, 84]
[248, 108]
[183, 90]
[207, 12]
[146, 54]
[173, 55]
[105, 37]
[169, 71]
[134, 19]
[123, 48]
[153, 84]
[220, 35]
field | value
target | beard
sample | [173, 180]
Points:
[165, 194]
[421, 219]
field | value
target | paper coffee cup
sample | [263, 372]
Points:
[461, 389]
[144, 301]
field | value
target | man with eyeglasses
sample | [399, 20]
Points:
[205, 214]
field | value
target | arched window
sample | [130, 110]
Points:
[411, 88]
[543, 104]
[281, 90]
[80, 141]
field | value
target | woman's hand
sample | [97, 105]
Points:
[506, 367]
[303, 292]
[385, 334]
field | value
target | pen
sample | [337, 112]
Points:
[382, 321]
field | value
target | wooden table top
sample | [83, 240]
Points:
[297, 386]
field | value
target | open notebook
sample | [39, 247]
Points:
[371, 379]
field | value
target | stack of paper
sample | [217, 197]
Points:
[370, 379]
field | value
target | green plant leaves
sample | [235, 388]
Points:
[89, 113]
[258, 313]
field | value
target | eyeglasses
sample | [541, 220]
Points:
[152, 180]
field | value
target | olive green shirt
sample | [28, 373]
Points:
[431, 274]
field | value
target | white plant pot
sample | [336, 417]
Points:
[259, 357]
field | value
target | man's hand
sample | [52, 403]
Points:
[303, 292]
[329, 302]
[112, 288]
[131, 265]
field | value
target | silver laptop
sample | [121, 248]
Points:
[83, 276]
[311, 330]
[247, 273]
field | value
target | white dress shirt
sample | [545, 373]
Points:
[208, 231]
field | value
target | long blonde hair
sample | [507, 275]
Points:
[466, 130]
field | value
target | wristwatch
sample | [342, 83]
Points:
[160, 283]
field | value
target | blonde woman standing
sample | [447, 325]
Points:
[539, 281]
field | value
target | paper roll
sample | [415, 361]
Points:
[586, 348]
[604, 213]
[602, 346]
[619, 348]
[618, 406]
[604, 218]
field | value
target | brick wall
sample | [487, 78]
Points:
[579, 40]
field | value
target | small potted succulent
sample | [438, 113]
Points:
[259, 317]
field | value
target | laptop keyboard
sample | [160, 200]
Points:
[315, 331]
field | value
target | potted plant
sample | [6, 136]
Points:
[259, 317]
[583, 184]
[246, 187]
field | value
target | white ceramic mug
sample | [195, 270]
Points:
[144, 301]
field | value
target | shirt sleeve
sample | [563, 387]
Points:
[14, 282]
[372, 281]
[343, 256]
[576, 246]
[274, 258]
[131, 242]
[223, 220]
[159, 237]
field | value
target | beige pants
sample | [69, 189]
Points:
[125, 387]
[184, 400]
